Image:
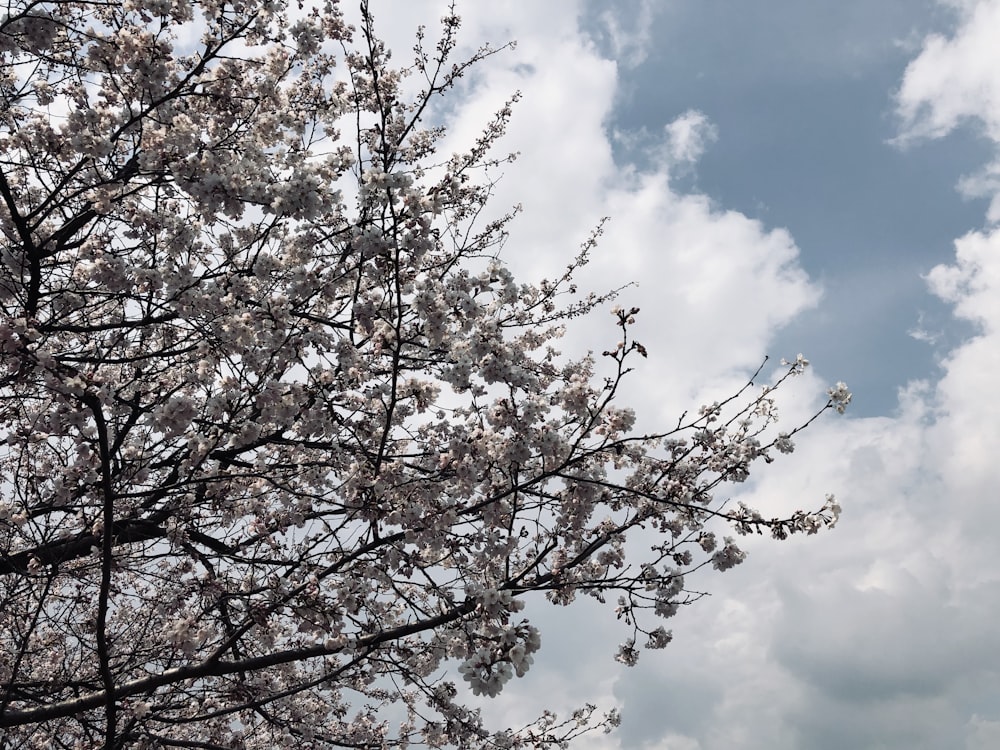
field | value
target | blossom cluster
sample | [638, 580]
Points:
[489, 668]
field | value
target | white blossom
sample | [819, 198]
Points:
[659, 638]
[840, 397]
[729, 556]
[627, 654]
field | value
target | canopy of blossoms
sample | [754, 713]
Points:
[284, 444]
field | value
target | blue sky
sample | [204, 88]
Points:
[801, 95]
[781, 176]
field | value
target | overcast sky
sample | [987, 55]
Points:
[782, 176]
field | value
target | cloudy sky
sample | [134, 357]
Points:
[782, 176]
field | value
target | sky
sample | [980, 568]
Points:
[781, 176]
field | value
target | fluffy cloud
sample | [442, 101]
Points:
[688, 136]
[625, 30]
[953, 82]
[954, 78]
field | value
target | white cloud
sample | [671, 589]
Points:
[954, 81]
[969, 284]
[688, 136]
[627, 28]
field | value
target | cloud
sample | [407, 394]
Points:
[624, 29]
[968, 284]
[983, 734]
[953, 81]
[688, 136]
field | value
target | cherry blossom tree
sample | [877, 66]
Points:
[285, 447]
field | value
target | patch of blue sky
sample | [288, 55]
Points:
[801, 95]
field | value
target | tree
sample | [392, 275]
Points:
[284, 443]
